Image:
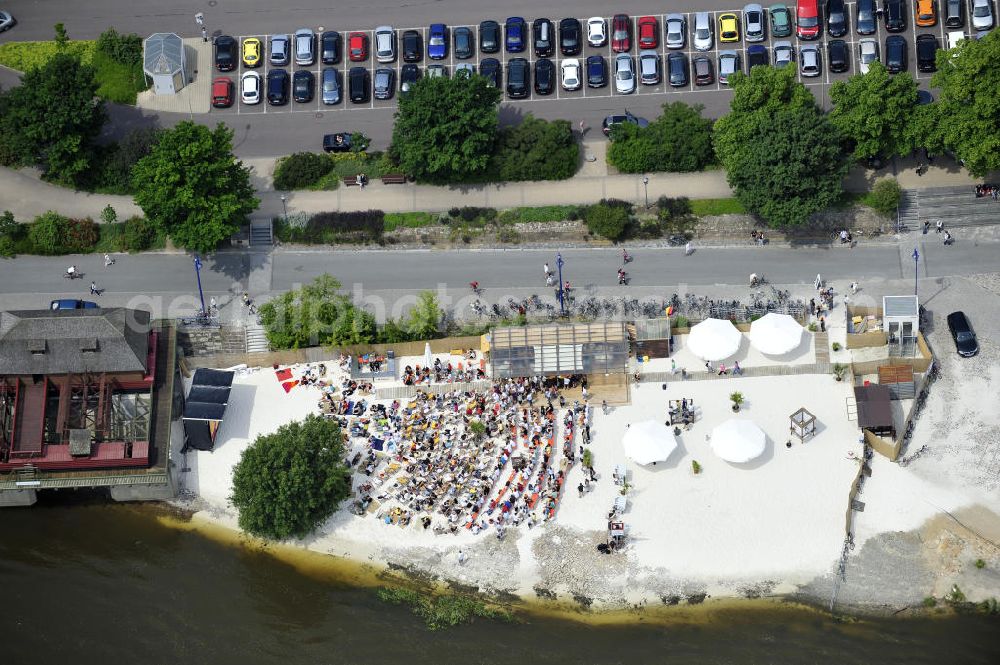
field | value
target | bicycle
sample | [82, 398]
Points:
[476, 288]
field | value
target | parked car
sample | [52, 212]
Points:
[412, 46]
[838, 56]
[729, 28]
[754, 23]
[466, 69]
[677, 69]
[543, 37]
[702, 32]
[303, 86]
[545, 74]
[954, 13]
[982, 14]
[225, 53]
[569, 70]
[518, 78]
[895, 15]
[676, 29]
[867, 54]
[611, 121]
[357, 46]
[280, 53]
[222, 92]
[621, 33]
[597, 33]
[703, 71]
[465, 43]
[781, 21]
[729, 64]
[649, 67]
[385, 82]
[408, 75]
[339, 142]
[895, 54]
[491, 69]
[7, 21]
[251, 52]
[866, 17]
[513, 32]
[305, 47]
[649, 31]
[624, 74]
[489, 37]
[809, 60]
[277, 87]
[836, 18]
[72, 304]
[250, 88]
[385, 44]
[597, 71]
[437, 72]
[962, 333]
[807, 19]
[757, 55]
[570, 37]
[330, 47]
[437, 41]
[358, 84]
[331, 86]
[926, 13]
[784, 53]
[927, 48]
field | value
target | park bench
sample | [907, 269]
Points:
[394, 179]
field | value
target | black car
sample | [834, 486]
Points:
[277, 87]
[545, 76]
[357, 84]
[836, 18]
[412, 46]
[865, 18]
[518, 78]
[677, 69]
[597, 71]
[408, 75]
[303, 86]
[954, 13]
[895, 54]
[570, 36]
[838, 55]
[895, 15]
[927, 48]
[330, 47]
[465, 43]
[489, 37]
[225, 53]
[340, 142]
[962, 333]
[543, 34]
[490, 68]
[610, 121]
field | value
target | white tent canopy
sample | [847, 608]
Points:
[738, 440]
[775, 334]
[648, 442]
[714, 339]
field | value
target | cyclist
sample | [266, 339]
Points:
[754, 279]
[71, 272]
[621, 275]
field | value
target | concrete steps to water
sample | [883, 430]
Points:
[955, 206]
[255, 339]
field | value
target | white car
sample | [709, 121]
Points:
[753, 23]
[597, 32]
[703, 31]
[784, 54]
[624, 74]
[982, 14]
[385, 43]
[809, 62]
[570, 70]
[867, 54]
[676, 27]
[250, 88]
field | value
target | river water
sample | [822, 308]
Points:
[102, 584]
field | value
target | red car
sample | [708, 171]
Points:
[621, 33]
[357, 46]
[649, 30]
[222, 93]
[807, 19]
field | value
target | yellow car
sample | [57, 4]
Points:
[251, 52]
[729, 28]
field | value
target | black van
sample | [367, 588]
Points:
[357, 84]
[518, 78]
[542, 32]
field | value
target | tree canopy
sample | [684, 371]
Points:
[873, 112]
[425, 317]
[679, 140]
[287, 483]
[52, 119]
[445, 128]
[192, 187]
[316, 314]
[535, 150]
[782, 156]
[968, 104]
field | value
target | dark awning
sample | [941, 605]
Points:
[209, 394]
[874, 406]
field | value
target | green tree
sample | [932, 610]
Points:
[52, 119]
[884, 197]
[425, 317]
[968, 79]
[679, 140]
[192, 187]
[108, 215]
[62, 37]
[782, 156]
[392, 333]
[316, 314]
[48, 233]
[288, 483]
[609, 221]
[10, 230]
[535, 149]
[445, 128]
[873, 112]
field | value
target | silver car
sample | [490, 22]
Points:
[279, 49]
[784, 54]
[466, 69]
[331, 86]
[703, 31]
[754, 21]
[729, 64]
[809, 62]
[7, 21]
[624, 74]
[649, 67]
[982, 14]
[867, 54]
[676, 27]
[385, 44]
[305, 47]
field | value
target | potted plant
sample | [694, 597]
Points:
[736, 399]
[695, 467]
[835, 346]
[839, 371]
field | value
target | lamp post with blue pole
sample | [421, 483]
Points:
[916, 269]
[201, 294]
[561, 291]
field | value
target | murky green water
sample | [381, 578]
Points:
[112, 585]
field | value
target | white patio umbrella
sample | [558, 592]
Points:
[648, 442]
[428, 356]
[714, 339]
[775, 334]
[738, 440]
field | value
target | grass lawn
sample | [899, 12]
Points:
[408, 220]
[709, 207]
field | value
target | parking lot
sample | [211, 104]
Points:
[689, 93]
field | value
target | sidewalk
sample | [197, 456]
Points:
[26, 195]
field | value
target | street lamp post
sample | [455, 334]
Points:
[561, 291]
[645, 189]
[201, 294]
[916, 269]
[284, 207]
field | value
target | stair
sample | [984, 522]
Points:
[256, 340]
[261, 232]
[955, 206]
[822, 341]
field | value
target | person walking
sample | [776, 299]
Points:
[94, 291]
[939, 225]
[548, 271]
[108, 261]
[854, 287]
[819, 282]
[947, 238]
[688, 249]
[822, 324]
[737, 370]
[461, 557]
[579, 488]
[604, 406]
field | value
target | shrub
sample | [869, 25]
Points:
[681, 322]
[124, 49]
[48, 232]
[884, 197]
[333, 226]
[609, 221]
[980, 564]
[81, 235]
[409, 220]
[108, 215]
[930, 601]
[472, 213]
[835, 346]
[138, 235]
[301, 170]
[535, 150]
